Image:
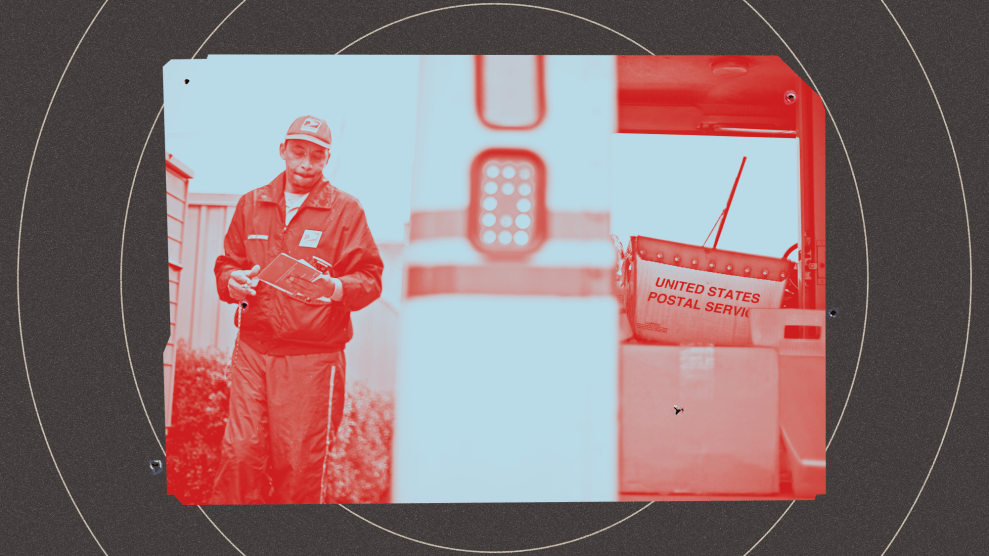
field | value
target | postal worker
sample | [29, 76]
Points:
[288, 369]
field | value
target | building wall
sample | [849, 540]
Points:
[177, 177]
[204, 321]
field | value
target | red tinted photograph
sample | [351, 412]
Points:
[470, 279]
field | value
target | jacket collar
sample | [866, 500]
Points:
[321, 195]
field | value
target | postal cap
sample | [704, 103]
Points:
[310, 128]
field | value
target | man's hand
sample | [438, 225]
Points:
[322, 286]
[242, 282]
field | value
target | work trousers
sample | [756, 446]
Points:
[281, 427]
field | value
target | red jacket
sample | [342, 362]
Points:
[274, 322]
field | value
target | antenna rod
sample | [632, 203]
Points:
[713, 227]
[730, 197]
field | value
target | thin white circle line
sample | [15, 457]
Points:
[498, 551]
[122, 236]
[215, 29]
[770, 529]
[518, 6]
[123, 320]
[222, 534]
[968, 229]
[650, 52]
[341, 505]
[865, 236]
[495, 4]
[17, 274]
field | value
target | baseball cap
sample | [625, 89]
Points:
[310, 128]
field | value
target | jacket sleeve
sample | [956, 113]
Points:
[234, 255]
[360, 265]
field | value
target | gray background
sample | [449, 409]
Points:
[70, 253]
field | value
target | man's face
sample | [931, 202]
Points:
[304, 163]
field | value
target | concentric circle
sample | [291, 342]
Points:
[492, 172]
[18, 274]
[831, 438]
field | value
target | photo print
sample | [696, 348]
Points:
[409, 279]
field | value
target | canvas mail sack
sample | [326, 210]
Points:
[676, 293]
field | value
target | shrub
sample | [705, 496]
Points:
[360, 460]
[199, 416]
[361, 456]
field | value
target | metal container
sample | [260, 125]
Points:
[679, 294]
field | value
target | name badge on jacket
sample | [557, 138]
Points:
[310, 238]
